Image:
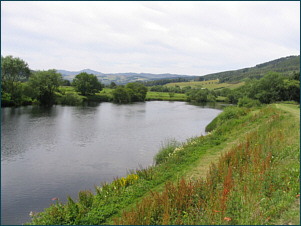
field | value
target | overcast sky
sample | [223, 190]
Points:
[192, 38]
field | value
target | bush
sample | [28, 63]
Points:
[231, 112]
[71, 99]
[248, 102]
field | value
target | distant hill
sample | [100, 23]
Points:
[285, 65]
[120, 78]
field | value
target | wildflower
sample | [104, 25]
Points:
[31, 213]
[54, 199]
[227, 218]
[298, 195]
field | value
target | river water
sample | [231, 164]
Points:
[58, 151]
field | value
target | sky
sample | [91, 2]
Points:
[177, 37]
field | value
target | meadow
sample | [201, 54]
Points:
[245, 171]
[210, 84]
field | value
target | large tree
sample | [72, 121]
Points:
[44, 85]
[137, 91]
[86, 84]
[13, 70]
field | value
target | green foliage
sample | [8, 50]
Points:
[132, 92]
[86, 84]
[248, 102]
[231, 112]
[270, 88]
[13, 71]
[44, 84]
[201, 95]
[71, 99]
[120, 95]
[285, 65]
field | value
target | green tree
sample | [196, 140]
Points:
[270, 88]
[112, 85]
[120, 95]
[44, 85]
[13, 71]
[138, 91]
[86, 84]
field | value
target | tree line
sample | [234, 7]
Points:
[21, 86]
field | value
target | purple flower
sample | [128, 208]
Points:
[54, 199]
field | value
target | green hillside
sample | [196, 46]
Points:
[285, 65]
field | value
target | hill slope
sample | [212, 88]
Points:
[284, 65]
[120, 78]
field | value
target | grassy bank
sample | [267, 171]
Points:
[246, 171]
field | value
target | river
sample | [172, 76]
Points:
[60, 150]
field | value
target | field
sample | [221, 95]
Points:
[165, 96]
[210, 84]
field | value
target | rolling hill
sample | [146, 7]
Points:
[285, 65]
[120, 78]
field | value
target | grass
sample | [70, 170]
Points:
[165, 96]
[247, 171]
[210, 84]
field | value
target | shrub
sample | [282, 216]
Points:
[71, 99]
[248, 102]
[231, 112]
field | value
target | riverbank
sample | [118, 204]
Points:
[234, 175]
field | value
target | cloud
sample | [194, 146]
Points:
[159, 37]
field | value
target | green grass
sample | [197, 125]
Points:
[210, 84]
[165, 96]
[247, 171]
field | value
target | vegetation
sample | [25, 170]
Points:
[286, 66]
[132, 92]
[43, 84]
[254, 179]
[86, 84]
[13, 71]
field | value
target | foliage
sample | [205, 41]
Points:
[86, 84]
[71, 99]
[13, 71]
[164, 81]
[201, 95]
[44, 84]
[132, 92]
[248, 102]
[120, 95]
[137, 91]
[270, 88]
[285, 65]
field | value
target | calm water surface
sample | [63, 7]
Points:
[58, 151]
